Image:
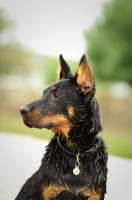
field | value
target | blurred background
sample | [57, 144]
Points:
[32, 36]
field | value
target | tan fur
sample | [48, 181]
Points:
[52, 191]
[70, 144]
[53, 88]
[91, 194]
[58, 72]
[60, 123]
[84, 78]
[71, 111]
[34, 116]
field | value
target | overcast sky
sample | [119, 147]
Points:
[53, 27]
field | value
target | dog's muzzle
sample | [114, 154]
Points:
[24, 110]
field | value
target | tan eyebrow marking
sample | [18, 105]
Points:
[54, 88]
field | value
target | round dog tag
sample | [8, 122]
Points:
[76, 170]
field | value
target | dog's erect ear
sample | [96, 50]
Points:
[63, 70]
[84, 76]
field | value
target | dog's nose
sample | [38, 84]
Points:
[24, 110]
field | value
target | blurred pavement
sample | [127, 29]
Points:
[20, 157]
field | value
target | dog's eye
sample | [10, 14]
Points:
[56, 94]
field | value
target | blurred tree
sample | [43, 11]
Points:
[110, 42]
[13, 57]
[4, 22]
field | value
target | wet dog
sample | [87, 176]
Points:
[74, 166]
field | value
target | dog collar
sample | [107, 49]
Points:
[86, 153]
[76, 170]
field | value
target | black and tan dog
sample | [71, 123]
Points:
[74, 166]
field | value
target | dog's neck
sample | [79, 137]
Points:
[80, 139]
[88, 152]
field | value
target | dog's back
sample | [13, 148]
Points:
[74, 166]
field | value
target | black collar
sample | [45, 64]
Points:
[86, 153]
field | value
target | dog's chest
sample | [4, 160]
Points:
[75, 182]
[68, 183]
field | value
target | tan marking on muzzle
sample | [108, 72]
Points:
[60, 123]
[33, 117]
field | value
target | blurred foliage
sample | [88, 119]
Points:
[14, 58]
[110, 42]
[5, 23]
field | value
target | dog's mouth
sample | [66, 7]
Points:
[47, 126]
[27, 124]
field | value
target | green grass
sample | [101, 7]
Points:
[118, 144]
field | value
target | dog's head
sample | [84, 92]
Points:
[67, 103]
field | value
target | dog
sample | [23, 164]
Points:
[74, 166]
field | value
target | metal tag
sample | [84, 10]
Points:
[76, 170]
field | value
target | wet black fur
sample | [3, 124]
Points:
[57, 165]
